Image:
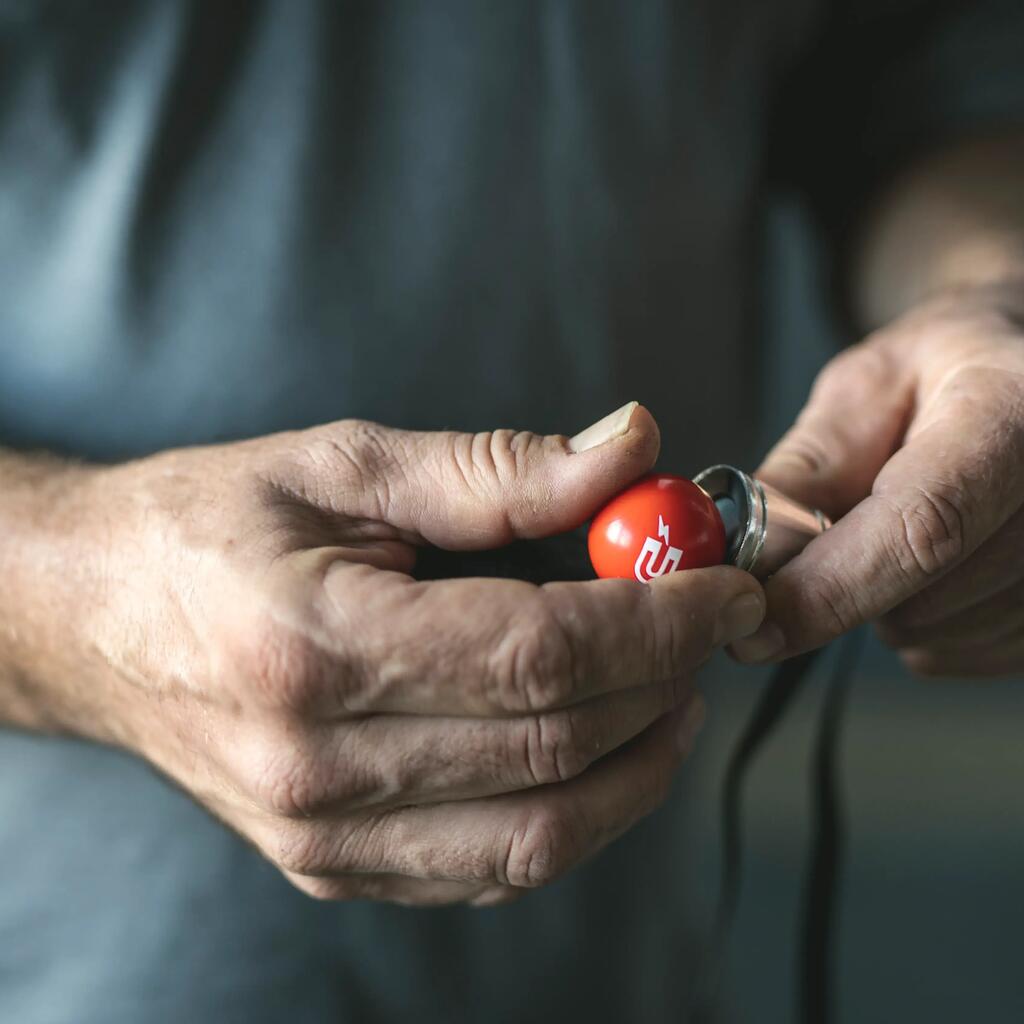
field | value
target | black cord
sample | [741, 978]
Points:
[776, 697]
[818, 939]
[818, 932]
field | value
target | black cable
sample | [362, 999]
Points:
[818, 938]
[776, 697]
[816, 989]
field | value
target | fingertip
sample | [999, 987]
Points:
[592, 467]
[644, 433]
[741, 616]
[721, 602]
[765, 644]
[809, 604]
[630, 430]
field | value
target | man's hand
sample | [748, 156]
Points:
[243, 617]
[916, 438]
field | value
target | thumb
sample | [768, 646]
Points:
[852, 423]
[953, 484]
[484, 490]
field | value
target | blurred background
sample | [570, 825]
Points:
[933, 882]
[932, 887]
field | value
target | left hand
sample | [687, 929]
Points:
[915, 437]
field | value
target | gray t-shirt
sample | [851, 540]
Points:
[225, 219]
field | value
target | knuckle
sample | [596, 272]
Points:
[298, 848]
[509, 454]
[352, 771]
[832, 603]
[490, 465]
[313, 848]
[499, 457]
[532, 664]
[932, 533]
[279, 665]
[286, 782]
[542, 848]
[557, 746]
[358, 445]
[485, 457]
[394, 780]
[483, 467]
[287, 775]
[359, 451]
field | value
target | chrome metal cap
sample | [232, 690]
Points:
[770, 528]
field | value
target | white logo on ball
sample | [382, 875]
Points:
[647, 571]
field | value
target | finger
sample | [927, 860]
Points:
[287, 850]
[522, 839]
[996, 566]
[386, 760]
[952, 486]
[853, 422]
[505, 647]
[408, 892]
[990, 623]
[978, 662]
[466, 491]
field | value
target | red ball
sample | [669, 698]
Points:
[661, 524]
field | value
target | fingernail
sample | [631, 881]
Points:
[614, 425]
[739, 618]
[689, 722]
[763, 645]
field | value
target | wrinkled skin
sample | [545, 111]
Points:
[244, 617]
[915, 437]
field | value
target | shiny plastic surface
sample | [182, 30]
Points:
[662, 523]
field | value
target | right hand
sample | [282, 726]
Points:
[243, 617]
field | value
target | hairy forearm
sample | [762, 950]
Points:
[955, 219]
